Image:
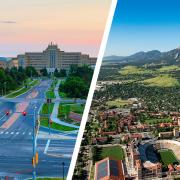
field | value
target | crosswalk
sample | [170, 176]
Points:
[15, 133]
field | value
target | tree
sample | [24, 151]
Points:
[56, 73]
[74, 87]
[44, 72]
[84, 72]
[31, 71]
[63, 73]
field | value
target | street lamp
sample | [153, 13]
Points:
[5, 88]
[34, 143]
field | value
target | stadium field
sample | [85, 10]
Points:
[168, 157]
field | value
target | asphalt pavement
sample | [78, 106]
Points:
[16, 145]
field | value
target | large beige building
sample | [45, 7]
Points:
[53, 58]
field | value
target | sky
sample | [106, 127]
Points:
[28, 26]
[144, 25]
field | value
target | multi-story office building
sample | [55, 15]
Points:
[53, 58]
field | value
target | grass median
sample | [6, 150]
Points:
[23, 90]
[44, 120]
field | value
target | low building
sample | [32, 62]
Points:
[109, 168]
[165, 134]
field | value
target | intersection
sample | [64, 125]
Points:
[16, 132]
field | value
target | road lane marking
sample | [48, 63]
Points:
[1, 132]
[55, 155]
[23, 133]
[30, 133]
[12, 132]
[7, 132]
[17, 133]
[47, 145]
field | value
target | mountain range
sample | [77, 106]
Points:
[154, 56]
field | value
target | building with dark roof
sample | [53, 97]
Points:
[109, 169]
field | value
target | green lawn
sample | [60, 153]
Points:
[155, 121]
[118, 103]
[134, 70]
[168, 157]
[47, 108]
[50, 94]
[64, 109]
[35, 82]
[56, 126]
[44, 120]
[162, 81]
[169, 68]
[115, 152]
[23, 90]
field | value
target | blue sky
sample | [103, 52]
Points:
[143, 25]
[30, 25]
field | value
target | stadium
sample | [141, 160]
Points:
[162, 154]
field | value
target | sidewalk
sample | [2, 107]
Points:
[54, 115]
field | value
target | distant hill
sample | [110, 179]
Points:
[114, 58]
[155, 56]
[5, 58]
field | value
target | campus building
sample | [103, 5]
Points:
[52, 57]
[109, 168]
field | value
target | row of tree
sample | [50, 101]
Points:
[11, 79]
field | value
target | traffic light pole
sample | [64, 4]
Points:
[34, 143]
[49, 116]
[63, 169]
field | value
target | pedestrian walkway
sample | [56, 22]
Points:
[45, 135]
[54, 115]
[20, 133]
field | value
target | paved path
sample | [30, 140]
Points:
[55, 113]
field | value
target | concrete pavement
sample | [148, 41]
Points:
[55, 113]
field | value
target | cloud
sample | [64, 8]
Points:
[8, 22]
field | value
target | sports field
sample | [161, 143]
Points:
[168, 157]
[111, 151]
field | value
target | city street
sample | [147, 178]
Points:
[16, 133]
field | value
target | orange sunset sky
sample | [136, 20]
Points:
[75, 25]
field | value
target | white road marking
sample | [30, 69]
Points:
[30, 133]
[12, 132]
[1, 132]
[47, 145]
[17, 133]
[7, 132]
[23, 133]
